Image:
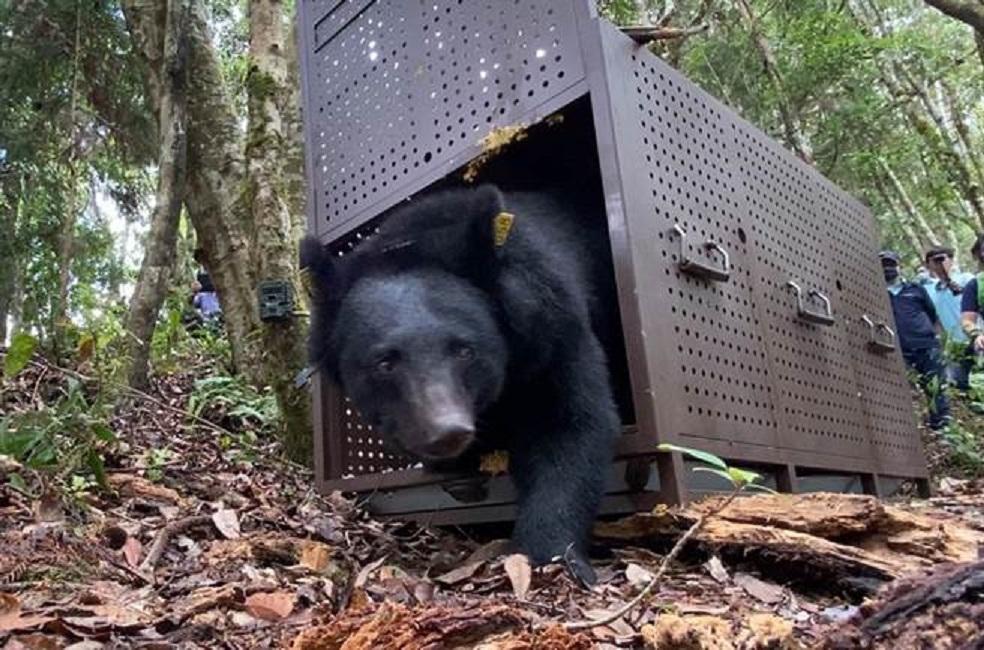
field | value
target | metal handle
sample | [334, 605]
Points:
[826, 317]
[875, 344]
[694, 267]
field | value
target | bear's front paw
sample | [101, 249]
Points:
[579, 566]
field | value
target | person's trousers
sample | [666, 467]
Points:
[958, 370]
[928, 365]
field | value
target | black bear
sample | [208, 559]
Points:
[468, 323]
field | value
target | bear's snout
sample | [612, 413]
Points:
[445, 419]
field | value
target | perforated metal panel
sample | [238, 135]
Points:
[397, 93]
[713, 331]
[709, 222]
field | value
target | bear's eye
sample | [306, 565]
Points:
[387, 362]
[463, 351]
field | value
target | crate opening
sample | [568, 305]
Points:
[559, 154]
[562, 150]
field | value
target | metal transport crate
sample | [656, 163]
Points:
[755, 320]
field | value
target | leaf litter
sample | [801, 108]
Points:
[256, 558]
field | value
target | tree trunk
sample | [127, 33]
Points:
[215, 172]
[917, 245]
[793, 129]
[159, 249]
[917, 217]
[243, 224]
[274, 245]
[966, 11]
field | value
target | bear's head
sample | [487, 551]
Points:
[407, 325]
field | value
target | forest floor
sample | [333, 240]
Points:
[201, 537]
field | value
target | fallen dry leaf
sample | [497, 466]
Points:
[495, 463]
[35, 642]
[520, 574]
[766, 592]
[637, 576]
[717, 570]
[206, 598]
[271, 606]
[315, 556]
[131, 485]
[11, 619]
[465, 571]
[364, 572]
[227, 521]
[133, 551]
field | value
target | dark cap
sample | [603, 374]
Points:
[936, 251]
[889, 256]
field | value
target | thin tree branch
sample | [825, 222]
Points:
[644, 34]
[663, 566]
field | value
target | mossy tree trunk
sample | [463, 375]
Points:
[159, 248]
[236, 193]
[274, 245]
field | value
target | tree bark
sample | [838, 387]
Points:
[966, 11]
[792, 127]
[274, 245]
[215, 172]
[159, 249]
[917, 217]
[241, 216]
[917, 245]
[66, 234]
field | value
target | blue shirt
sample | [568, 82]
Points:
[207, 302]
[948, 306]
[915, 316]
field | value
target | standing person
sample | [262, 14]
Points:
[945, 290]
[972, 302]
[206, 301]
[916, 323]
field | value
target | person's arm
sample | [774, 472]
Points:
[970, 315]
[930, 310]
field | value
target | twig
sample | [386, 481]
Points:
[163, 537]
[664, 565]
[644, 34]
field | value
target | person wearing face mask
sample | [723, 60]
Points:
[945, 290]
[917, 326]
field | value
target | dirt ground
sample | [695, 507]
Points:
[225, 546]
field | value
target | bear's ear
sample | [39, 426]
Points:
[325, 293]
[454, 229]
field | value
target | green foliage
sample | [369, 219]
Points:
[66, 440]
[966, 450]
[226, 397]
[155, 460]
[740, 479]
[22, 346]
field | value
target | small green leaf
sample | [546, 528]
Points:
[22, 346]
[743, 476]
[103, 432]
[95, 463]
[760, 488]
[718, 472]
[702, 456]
[17, 482]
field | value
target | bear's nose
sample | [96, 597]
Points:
[449, 439]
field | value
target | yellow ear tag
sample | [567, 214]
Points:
[501, 226]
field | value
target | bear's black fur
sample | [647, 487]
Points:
[450, 344]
